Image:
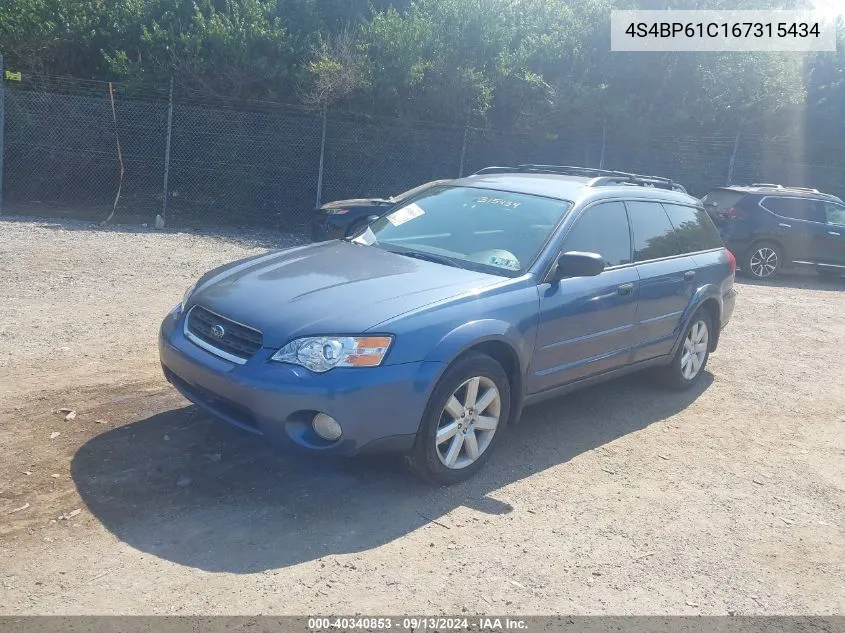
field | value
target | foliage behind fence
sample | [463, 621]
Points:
[257, 164]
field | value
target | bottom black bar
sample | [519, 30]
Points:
[529, 624]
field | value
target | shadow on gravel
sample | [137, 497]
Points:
[198, 492]
[806, 280]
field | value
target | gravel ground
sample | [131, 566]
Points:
[616, 500]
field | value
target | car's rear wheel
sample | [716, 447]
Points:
[464, 418]
[690, 360]
[763, 260]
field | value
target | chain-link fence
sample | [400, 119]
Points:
[201, 160]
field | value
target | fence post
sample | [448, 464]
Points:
[733, 160]
[2, 125]
[603, 144]
[463, 152]
[322, 160]
[167, 151]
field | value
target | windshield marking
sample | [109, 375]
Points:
[501, 201]
[405, 214]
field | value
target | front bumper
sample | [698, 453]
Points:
[378, 408]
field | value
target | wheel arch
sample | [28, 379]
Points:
[496, 339]
[506, 356]
[714, 309]
[706, 299]
[766, 240]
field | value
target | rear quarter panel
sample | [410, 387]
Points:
[715, 281]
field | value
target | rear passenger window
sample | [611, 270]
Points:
[795, 208]
[602, 229]
[693, 227]
[835, 213]
[654, 236]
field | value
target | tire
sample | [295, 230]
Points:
[763, 260]
[677, 375]
[451, 460]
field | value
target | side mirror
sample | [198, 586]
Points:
[577, 264]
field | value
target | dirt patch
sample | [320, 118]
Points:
[620, 499]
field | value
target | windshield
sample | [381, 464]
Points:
[481, 229]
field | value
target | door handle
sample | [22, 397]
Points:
[689, 275]
[785, 225]
[833, 233]
[625, 289]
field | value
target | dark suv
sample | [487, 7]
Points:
[769, 226]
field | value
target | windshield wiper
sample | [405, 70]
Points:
[429, 257]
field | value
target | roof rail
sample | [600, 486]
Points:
[637, 180]
[495, 170]
[775, 186]
[600, 177]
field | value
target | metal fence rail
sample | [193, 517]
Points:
[200, 160]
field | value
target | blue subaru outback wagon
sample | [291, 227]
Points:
[429, 331]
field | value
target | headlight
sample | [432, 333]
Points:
[336, 211]
[187, 296]
[322, 353]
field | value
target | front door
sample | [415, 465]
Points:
[586, 322]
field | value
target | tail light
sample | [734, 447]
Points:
[733, 213]
[731, 261]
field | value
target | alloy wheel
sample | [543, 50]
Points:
[468, 422]
[764, 262]
[695, 350]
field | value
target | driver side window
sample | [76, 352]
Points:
[602, 229]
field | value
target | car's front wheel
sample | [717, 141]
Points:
[763, 260]
[464, 418]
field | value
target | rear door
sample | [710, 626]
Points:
[801, 226]
[667, 279]
[586, 323]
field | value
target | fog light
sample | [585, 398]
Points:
[326, 427]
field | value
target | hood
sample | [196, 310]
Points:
[357, 202]
[328, 288]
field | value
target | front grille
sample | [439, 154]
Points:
[236, 340]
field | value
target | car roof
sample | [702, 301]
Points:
[767, 189]
[566, 187]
